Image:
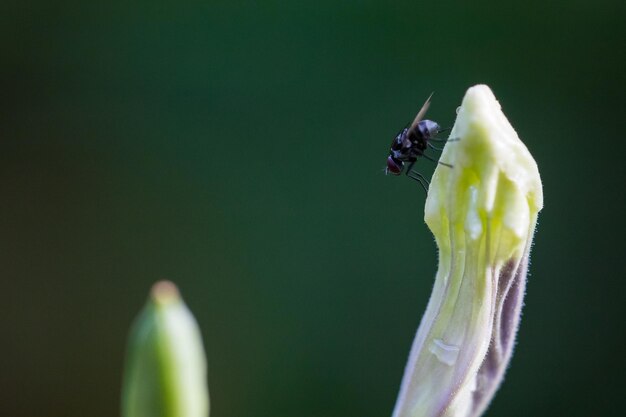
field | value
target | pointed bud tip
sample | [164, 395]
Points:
[164, 293]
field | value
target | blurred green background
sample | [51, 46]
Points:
[237, 148]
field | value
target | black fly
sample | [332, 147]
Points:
[411, 143]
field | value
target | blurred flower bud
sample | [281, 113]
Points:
[482, 212]
[165, 373]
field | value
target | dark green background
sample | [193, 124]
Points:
[237, 147]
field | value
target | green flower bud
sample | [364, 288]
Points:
[165, 374]
[482, 212]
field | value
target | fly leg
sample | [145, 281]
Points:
[431, 146]
[435, 161]
[444, 140]
[417, 177]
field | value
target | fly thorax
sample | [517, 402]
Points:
[400, 142]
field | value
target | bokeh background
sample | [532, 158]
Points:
[237, 148]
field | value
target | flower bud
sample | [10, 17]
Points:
[165, 373]
[483, 213]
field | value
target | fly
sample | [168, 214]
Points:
[411, 143]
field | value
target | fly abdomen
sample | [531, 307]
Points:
[428, 129]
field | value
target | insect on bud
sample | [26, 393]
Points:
[483, 213]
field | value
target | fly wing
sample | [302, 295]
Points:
[421, 113]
